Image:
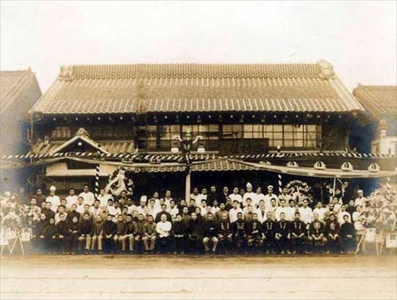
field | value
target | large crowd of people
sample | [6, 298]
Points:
[211, 221]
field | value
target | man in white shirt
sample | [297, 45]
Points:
[258, 196]
[320, 210]
[202, 196]
[342, 213]
[163, 229]
[173, 209]
[80, 205]
[249, 194]
[95, 210]
[268, 197]
[236, 196]
[71, 198]
[142, 208]
[283, 209]
[53, 199]
[103, 197]
[360, 200]
[261, 212]
[306, 212]
[234, 211]
[167, 198]
[285, 195]
[88, 196]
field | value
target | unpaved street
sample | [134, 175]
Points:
[198, 277]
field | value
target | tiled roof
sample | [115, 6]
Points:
[380, 101]
[12, 84]
[205, 166]
[112, 147]
[143, 88]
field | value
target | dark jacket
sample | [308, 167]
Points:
[269, 228]
[158, 216]
[109, 228]
[210, 228]
[62, 228]
[316, 228]
[254, 228]
[298, 227]
[195, 229]
[332, 227]
[87, 228]
[283, 228]
[49, 230]
[179, 229]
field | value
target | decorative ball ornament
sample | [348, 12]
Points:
[347, 167]
[374, 168]
[320, 165]
[292, 164]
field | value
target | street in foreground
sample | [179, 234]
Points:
[198, 277]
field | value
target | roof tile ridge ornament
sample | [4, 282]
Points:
[66, 73]
[327, 70]
[82, 132]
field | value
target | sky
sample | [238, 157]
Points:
[358, 38]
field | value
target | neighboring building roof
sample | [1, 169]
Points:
[113, 89]
[380, 101]
[13, 84]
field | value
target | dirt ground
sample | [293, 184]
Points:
[198, 277]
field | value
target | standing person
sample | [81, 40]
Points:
[179, 231]
[210, 233]
[61, 210]
[249, 194]
[204, 196]
[48, 212]
[351, 208]
[236, 196]
[163, 229]
[268, 197]
[332, 230]
[254, 234]
[233, 213]
[259, 196]
[282, 209]
[261, 212]
[103, 198]
[195, 234]
[71, 198]
[109, 231]
[53, 199]
[87, 195]
[225, 194]
[342, 213]
[167, 198]
[97, 234]
[269, 232]
[23, 196]
[86, 231]
[40, 198]
[212, 196]
[149, 235]
[284, 195]
[306, 212]
[142, 208]
[348, 234]
[96, 209]
[360, 200]
[298, 233]
[282, 235]
[195, 194]
[320, 210]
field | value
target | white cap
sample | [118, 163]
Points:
[270, 187]
[249, 185]
[360, 191]
[53, 188]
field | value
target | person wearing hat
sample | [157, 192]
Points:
[269, 196]
[249, 194]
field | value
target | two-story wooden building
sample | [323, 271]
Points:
[18, 93]
[128, 115]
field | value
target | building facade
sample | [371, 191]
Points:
[110, 116]
[380, 103]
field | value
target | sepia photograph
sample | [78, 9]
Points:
[198, 150]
